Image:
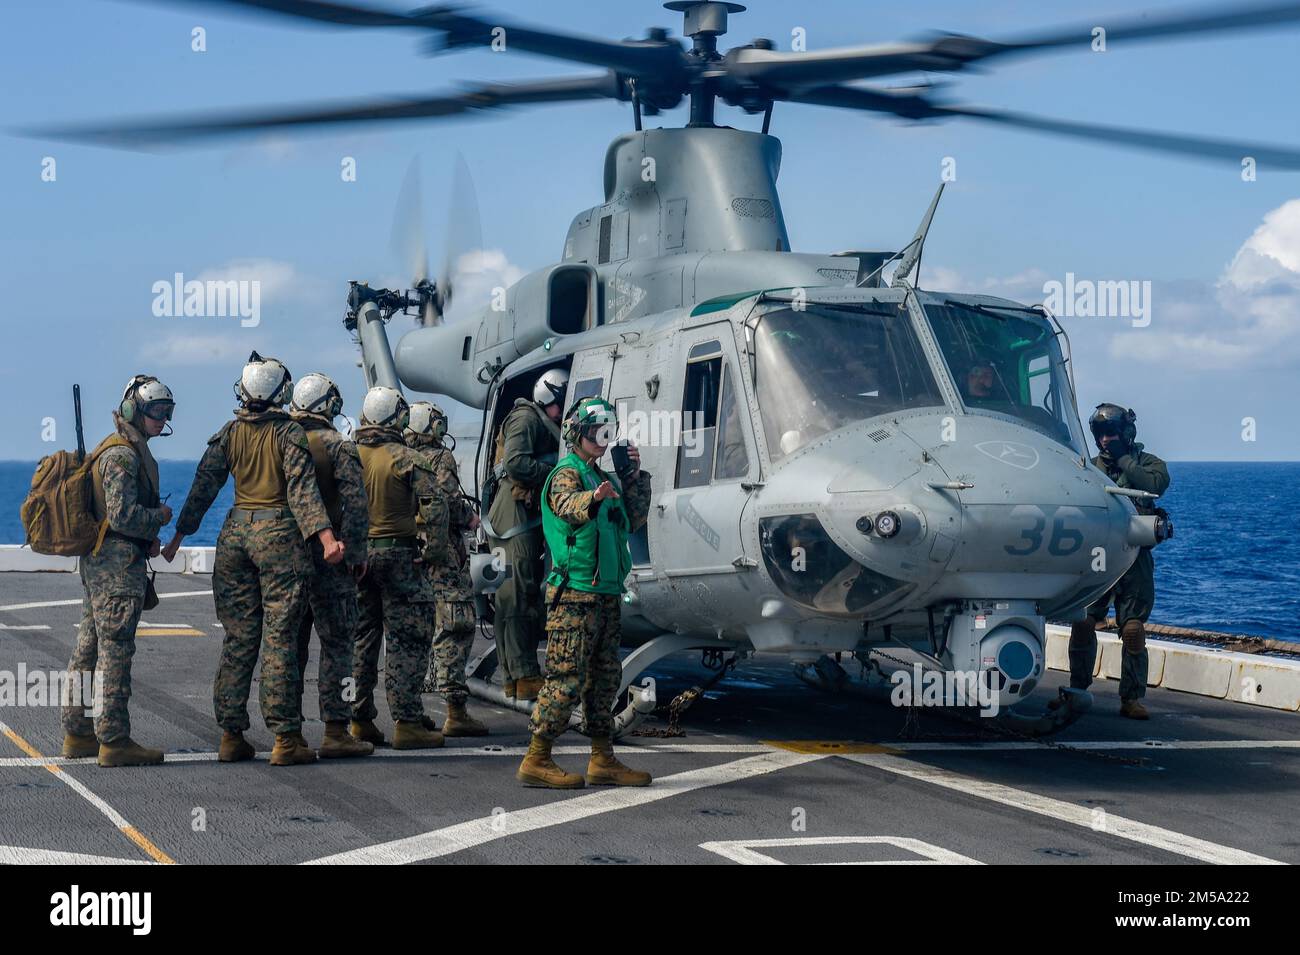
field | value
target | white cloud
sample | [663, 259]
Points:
[275, 276]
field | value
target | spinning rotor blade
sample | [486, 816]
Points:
[916, 107]
[476, 97]
[653, 58]
[464, 232]
[951, 51]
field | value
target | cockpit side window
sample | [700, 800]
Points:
[732, 460]
[699, 416]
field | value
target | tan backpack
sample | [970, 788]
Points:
[58, 514]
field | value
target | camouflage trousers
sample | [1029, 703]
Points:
[105, 644]
[519, 611]
[582, 664]
[454, 636]
[333, 611]
[1133, 596]
[394, 596]
[259, 584]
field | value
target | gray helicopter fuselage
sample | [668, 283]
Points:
[858, 493]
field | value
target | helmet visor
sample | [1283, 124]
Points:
[158, 410]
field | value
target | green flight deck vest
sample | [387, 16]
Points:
[594, 556]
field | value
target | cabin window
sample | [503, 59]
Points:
[586, 388]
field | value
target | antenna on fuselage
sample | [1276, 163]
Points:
[912, 251]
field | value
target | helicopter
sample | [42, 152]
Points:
[842, 461]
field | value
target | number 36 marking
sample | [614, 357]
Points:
[1063, 539]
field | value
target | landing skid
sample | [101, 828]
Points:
[826, 675]
[641, 699]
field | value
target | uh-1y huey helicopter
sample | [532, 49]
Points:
[851, 461]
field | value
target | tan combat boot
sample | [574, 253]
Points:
[413, 734]
[290, 751]
[1133, 709]
[367, 731]
[508, 688]
[528, 687]
[337, 744]
[127, 752]
[604, 769]
[79, 747]
[234, 748]
[538, 769]
[460, 723]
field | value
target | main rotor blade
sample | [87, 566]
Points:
[949, 52]
[476, 97]
[1280, 157]
[914, 106]
[651, 58]
[342, 14]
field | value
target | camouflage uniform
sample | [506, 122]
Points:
[528, 450]
[259, 579]
[396, 595]
[1135, 593]
[114, 579]
[453, 590]
[332, 593]
[584, 630]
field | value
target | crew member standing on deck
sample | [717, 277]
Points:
[395, 595]
[526, 448]
[1128, 465]
[259, 578]
[332, 593]
[587, 516]
[454, 591]
[125, 501]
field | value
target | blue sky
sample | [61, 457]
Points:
[79, 256]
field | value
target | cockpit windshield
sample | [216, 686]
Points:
[822, 367]
[1007, 361]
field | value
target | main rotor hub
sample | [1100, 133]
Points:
[704, 18]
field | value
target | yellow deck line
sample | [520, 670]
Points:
[113, 816]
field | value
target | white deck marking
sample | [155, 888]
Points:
[1101, 744]
[1115, 825]
[724, 748]
[476, 832]
[113, 816]
[743, 850]
[30, 626]
[77, 602]
[18, 855]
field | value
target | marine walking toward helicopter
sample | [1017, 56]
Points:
[587, 516]
[259, 577]
[526, 448]
[1125, 462]
[332, 592]
[396, 596]
[454, 615]
[114, 576]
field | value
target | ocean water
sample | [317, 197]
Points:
[1233, 564]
